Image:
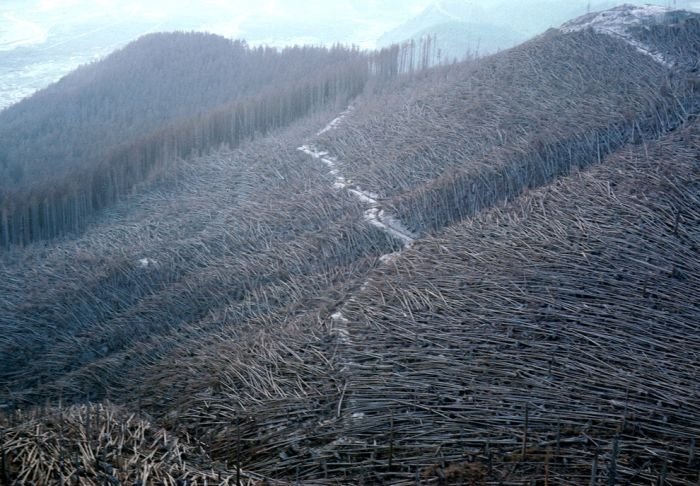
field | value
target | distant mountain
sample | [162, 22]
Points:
[456, 39]
[41, 41]
[467, 27]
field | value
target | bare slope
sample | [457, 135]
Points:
[564, 325]
[478, 133]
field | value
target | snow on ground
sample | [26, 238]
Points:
[146, 262]
[362, 196]
[389, 257]
[340, 327]
[375, 216]
[389, 224]
[617, 21]
[335, 122]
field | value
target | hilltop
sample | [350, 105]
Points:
[472, 28]
[478, 273]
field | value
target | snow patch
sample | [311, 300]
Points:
[389, 257]
[389, 224]
[338, 317]
[340, 327]
[340, 181]
[146, 262]
[374, 215]
[363, 196]
[617, 21]
[335, 122]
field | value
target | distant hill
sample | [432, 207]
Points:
[153, 81]
[41, 41]
[460, 28]
[459, 40]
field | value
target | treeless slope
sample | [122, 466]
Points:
[563, 326]
[568, 320]
[468, 136]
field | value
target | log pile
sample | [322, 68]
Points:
[103, 444]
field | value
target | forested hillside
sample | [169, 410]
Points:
[159, 78]
[110, 127]
[88, 140]
[483, 273]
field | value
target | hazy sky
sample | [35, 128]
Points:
[358, 21]
[25, 22]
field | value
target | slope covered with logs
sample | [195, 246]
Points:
[537, 339]
[555, 337]
[479, 132]
[250, 322]
[113, 127]
[242, 236]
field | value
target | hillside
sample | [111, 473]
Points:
[521, 117]
[484, 273]
[159, 78]
[99, 133]
[567, 319]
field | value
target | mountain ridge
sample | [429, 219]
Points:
[495, 26]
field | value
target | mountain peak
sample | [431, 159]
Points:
[624, 22]
[619, 19]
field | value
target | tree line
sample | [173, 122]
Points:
[90, 139]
